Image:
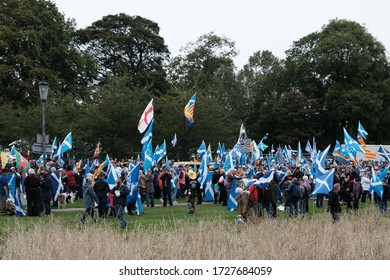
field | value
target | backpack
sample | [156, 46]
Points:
[296, 191]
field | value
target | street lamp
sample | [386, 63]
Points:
[43, 92]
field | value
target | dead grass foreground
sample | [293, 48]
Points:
[364, 236]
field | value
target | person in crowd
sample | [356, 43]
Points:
[33, 193]
[357, 192]
[149, 179]
[243, 203]
[3, 190]
[71, 179]
[223, 195]
[334, 203]
[121, 192]
[166, 178]
[385, 197]
[191, 192]
[157, 187]
[182, 179]
[89, 200]
[142, 186]
[346, 191]
[293, 195]
[101, 189]
[366, 182]
[45, 187]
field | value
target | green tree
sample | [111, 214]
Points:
[344, 67]
[36, 44]
[124, 45]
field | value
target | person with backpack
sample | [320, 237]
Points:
[293, 195]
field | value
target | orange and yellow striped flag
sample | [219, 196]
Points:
[369, 154]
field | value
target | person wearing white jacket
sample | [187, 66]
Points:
[366, 182]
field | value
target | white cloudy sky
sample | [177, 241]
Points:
[253, 24]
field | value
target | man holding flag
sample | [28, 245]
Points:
[3, 190]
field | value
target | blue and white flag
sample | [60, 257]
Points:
[324, 183]
[167, 165]
[11, 186]
[308, 147]
[160, 152]
[174, 140]
[361, 131]
[66, 144]
[262, 146]
[384, 153]
[256, 151]
[320, 161]
[132, 183]
[376, 184]
[265, 180]
[54, 146]
[56, 184]
[236, 151]
[229, 165]
[232, 202]
[203, 172]
[209, 191]
[18, 205]
[112, 177]
[148, 157]
[87, 169]
[202, 148]
[313, 153]
[383, 173]
[148, 134]
[40, 160]
[351, 144]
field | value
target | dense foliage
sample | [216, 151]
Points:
[101, 78]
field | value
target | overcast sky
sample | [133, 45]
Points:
[254, 25]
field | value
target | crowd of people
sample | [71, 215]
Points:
[290, 186]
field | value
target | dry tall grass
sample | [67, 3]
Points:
[364, 236]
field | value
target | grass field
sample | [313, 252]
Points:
[170, 233]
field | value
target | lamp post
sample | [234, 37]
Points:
[43, 92]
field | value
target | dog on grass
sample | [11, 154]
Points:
[62, 200]
[72, 196]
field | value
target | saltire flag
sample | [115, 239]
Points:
[361, 131]
[144, 147]
[112, 177]
[160, 152]
[57, 155]
[87, 170]
[202, 148]
[209, 191]
[324, 183]
[223, 153]
[133, 185]
[203, 171]
[308, 147]
[216, 164]
[148, 134]
[337, 147]
[287, 154]
[350, 143]
[229, 165]
[300, 158]
[22, 164]
[11, 186]
[262, 146]
[369, 154]
[256, 151]
[279, 156]
[383, 173]
[18, 205]
[209, 154]
[40, 160]
[232, 202]
[265, 180]
[272, 149]
[167, 165]
[66, 144]
[54, 145]
[148, 157]
[242, 134]
[319, 162]
[189, 111]
[138, 159]
[97, 151]
[146, 117]
[376, 184]
[384, 153]
[236, 151]
[313, 153]
[219, 149]
[174, 140]
[56, 184]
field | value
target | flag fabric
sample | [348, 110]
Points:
[97, 151]
[11, 186]
[313, 153]
[202, 148]
[232, 202]
[209, 191]
[345, 156]
[319, 162]
[300, 158]
[262, 146]
[256, 151]
[350, 143]
[104, 164]
[22, 164]
[160, 152]
[242, 134]
[383, 173]
[189, 111]
[229, 165]
[148, 157]
[272, 149]
[209, 154]
[265, 180]
[369, 154]
[66, 144]
[146, 117]
[148, 134]
[384, 153]
[361, 131]
[203, 172]
[174, 140]
[287, 154]
[54, 145]
[324, 183]
[112, 177]
[87, 169]
[223, 153]
[376, 184]
[56, 184]
[236, 151]
[133, 185]
[40, 160]
[167, 165]
[18, 205]
[308, 147]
